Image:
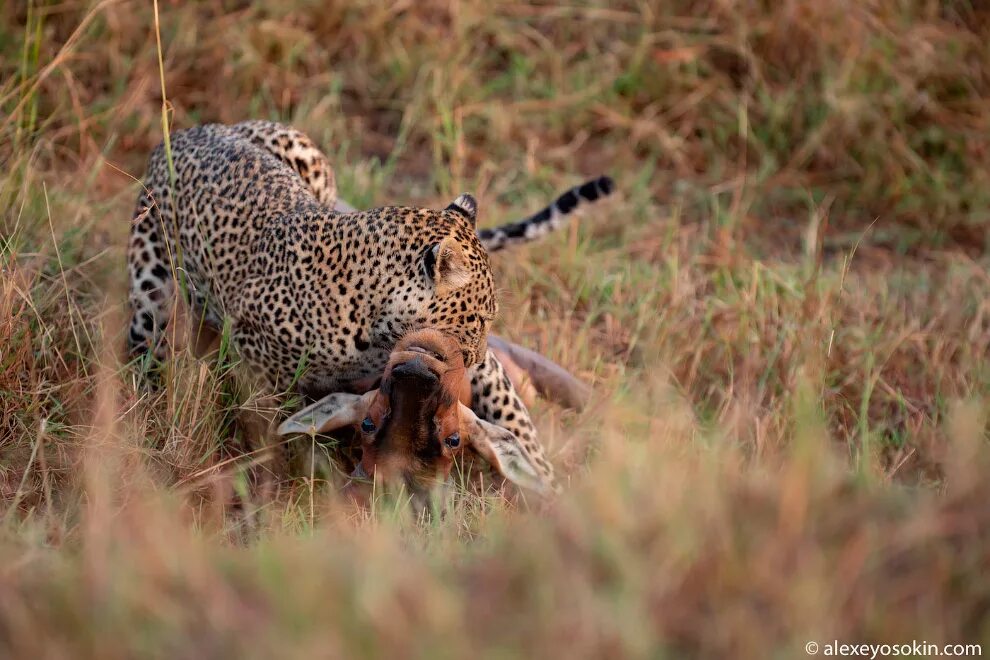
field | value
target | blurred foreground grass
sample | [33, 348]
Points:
[785, 315]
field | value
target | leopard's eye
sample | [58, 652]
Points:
[453, 440]
[367, 426]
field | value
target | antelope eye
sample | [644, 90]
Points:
[367, 426]
[453, 440]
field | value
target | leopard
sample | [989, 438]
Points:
[245, 223]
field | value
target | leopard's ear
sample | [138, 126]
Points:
[467, 206]
[503, 451]
[446, 266]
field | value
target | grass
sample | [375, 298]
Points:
[784, 315]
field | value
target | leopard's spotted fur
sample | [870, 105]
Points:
[248, 224]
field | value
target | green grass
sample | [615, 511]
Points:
[783, 313]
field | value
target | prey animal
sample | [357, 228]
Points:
[419, 419]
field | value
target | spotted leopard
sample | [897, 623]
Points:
[249, 226]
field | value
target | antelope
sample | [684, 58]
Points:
[418, 420]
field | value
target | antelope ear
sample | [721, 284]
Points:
[334, 411]
[444, 263]
[503, 451]
[467, 206]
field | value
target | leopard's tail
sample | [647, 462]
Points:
[548, 219]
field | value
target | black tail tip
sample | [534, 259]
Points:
[606, 184]
[593, 190]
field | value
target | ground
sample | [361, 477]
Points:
[785, 315]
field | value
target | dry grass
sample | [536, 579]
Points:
[785, 315]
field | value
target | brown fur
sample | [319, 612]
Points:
[418, 420]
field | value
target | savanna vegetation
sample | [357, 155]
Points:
[785, 315]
